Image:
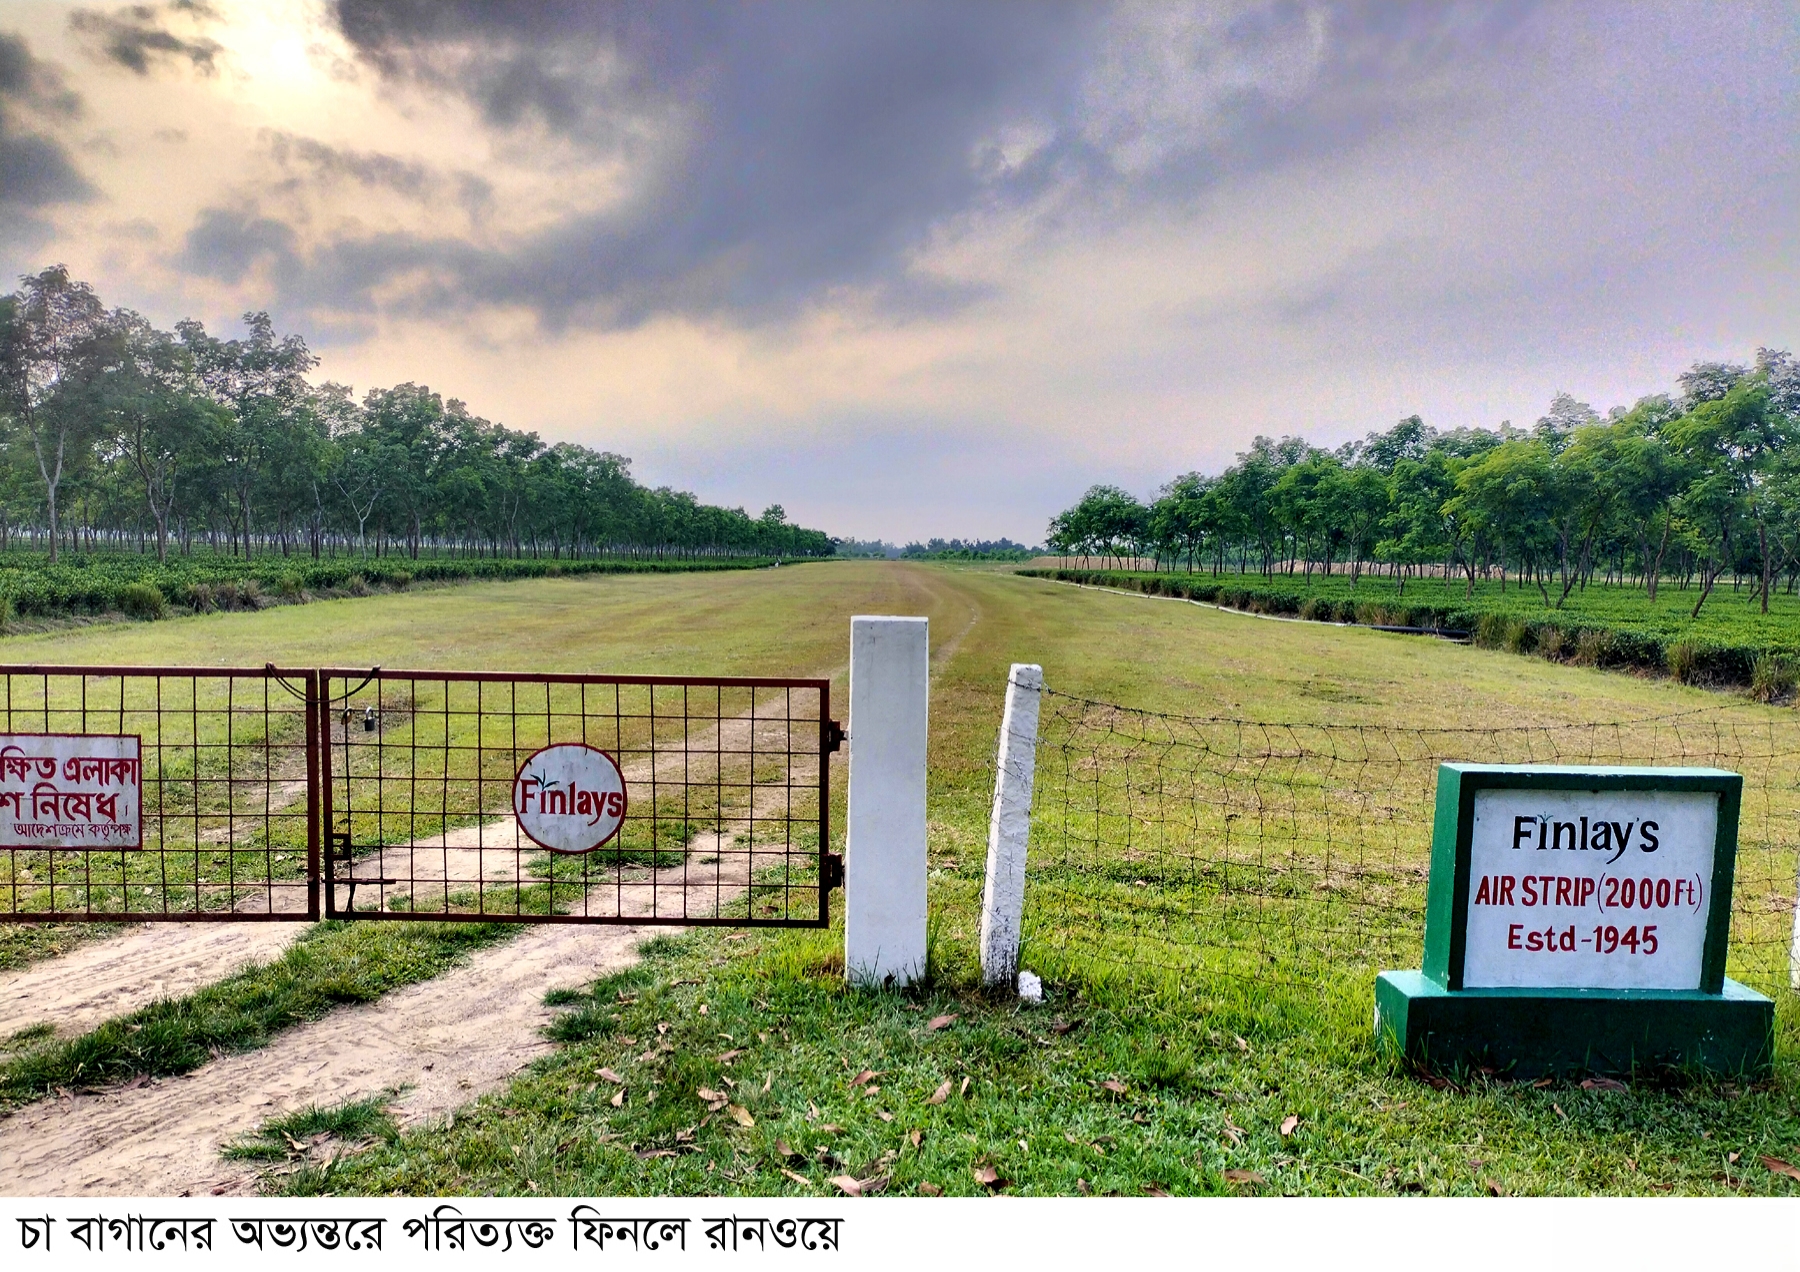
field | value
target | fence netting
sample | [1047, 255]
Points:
[1202, 847]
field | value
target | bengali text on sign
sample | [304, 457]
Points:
[71, 790]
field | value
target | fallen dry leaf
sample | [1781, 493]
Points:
[1731, 1159]
[768, 1082]
[1289, 1123]
[1242, 1177]
[884, 1115]
[1493, 1187]
[1234, 1131]
[618, 1100]
[1602, 1084]
[831, 1128]
[866, 1075]
[1241, 1044]
[610, 1076]
[729, 1056]
[1114, 1085]
[848, 1185]
[709, 1095]
[917, 1137]
[930, 1189]
[942, 1093]
[1540, 1084]
[1559, 1112]
[939, 1022]
[967, 1083]
[655, 1152]
[988, 1176]
[1779, 1167]
[796, 1176]
[740, 1115]
[785, 1149]
[1156, 1190]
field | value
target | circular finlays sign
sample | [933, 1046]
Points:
[569, 797]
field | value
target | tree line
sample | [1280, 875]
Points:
[116, 433]
[1687, 486]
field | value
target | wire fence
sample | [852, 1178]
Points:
[1201, 847]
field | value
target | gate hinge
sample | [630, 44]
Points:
[834, 736]
[831, 871]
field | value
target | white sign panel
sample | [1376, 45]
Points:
[71, 790]
[1589, 889]
[569, 797]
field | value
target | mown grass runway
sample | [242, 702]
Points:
[1115, 1084]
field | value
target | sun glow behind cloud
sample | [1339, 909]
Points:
[935, 271]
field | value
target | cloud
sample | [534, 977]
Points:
[774, 156]
[36, 171]
[136, 36]
[227, 244]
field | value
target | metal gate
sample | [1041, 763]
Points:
[297, 794]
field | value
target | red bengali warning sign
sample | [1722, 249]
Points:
[71, 790]
[569, 797]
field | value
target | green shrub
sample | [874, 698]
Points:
[1684, 659]
[1314, 610]
[1519, 638]
[200, 598]
[1552, 641]
[1594, 648]
[1773, 677]
[357, 585]
[400, 580]
[143, 600]
[289, 586]
[1490, 631]
[226, 594]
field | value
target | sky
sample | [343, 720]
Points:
[929, 269]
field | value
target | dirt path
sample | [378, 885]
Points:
[443, 1042]
[447, 1040]
[95, 982]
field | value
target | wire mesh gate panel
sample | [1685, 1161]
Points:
[429, 793]
[133, 793]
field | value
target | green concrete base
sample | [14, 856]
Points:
[1530, 1033]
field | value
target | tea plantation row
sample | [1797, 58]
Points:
[125, 583]
[1731, 643]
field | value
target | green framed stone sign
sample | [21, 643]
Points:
[1576, 920]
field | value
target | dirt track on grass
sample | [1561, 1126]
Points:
[95, 982]
[441, 1043]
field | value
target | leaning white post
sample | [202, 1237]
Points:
[1003, 898]
[1794, 948]
[884, 870]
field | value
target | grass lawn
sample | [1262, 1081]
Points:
[739, 1053]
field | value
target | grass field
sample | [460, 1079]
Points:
[1600, 625]
[1117, 1083]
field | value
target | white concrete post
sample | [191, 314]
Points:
[1003, 898]
[884, 869]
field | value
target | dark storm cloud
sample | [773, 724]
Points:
[35, 169]
[137, 36]
[227, 244]
[779, 151]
